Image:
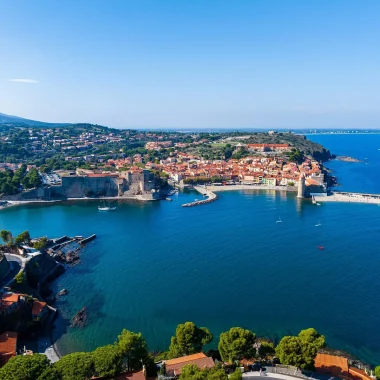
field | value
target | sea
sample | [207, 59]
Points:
[224, 264]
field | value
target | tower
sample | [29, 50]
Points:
[301, 186]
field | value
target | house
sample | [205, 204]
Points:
[174, 366]
[8, 346]
[10, 302]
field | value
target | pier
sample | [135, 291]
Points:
[340, 196]
[211, 197]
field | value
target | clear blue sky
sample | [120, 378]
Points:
[183, 63]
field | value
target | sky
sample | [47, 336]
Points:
[192, 64]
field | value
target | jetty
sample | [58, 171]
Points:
[211, 197]
[341, 196]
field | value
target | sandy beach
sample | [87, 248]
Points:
[214, 188]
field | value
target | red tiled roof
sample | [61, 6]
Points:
[38, 307]
[101, 175]
[8, 345]
[334, 365]
[174, 366]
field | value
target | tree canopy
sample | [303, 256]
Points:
[300, 350]
[23, 237]
[192, 372]
[25, 367]
[6, 236]
[107, 361]
[377, 372]
[76, 366]
[189, 339]
[133, 349]
[236, 344]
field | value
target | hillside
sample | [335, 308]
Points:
[15, 121]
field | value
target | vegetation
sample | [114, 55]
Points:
[76, 366]
[236, 344]
[377, 372]
[192, 372]
[25, 367]
[20, 278]
[189, 339]
[133, 348]
[300, 350]
[41, 243]
[237, 375]
[24, 237]
[6, 236]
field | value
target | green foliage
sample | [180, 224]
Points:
[300, 350]
[266, 348]
[40, 244]
[20, 278]
[25, 367]
[32, 179]
[76, 366]
[296, 156]
[50, 373]
[201, 180]
[377, 372]
[107, 361]
[236, 344]
[237, 375]
[133, 349]
[24, 237]
[6, 236]
[189, 339]
[192, 372]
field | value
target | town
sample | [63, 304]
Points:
[87, 161]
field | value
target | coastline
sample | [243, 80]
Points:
[11, 203]
[214, 188]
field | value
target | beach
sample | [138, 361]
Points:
[214, 188]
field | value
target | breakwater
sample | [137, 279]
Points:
[211, 197]
[338, 196]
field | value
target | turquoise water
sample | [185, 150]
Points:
[220, 265]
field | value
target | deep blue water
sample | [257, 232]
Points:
[224, 264]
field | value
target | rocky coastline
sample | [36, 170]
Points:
[347, 159]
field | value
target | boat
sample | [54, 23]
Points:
[105, 208]
[169, 199]
[279, 220]
[318, 224]
[318, 204]
[321, 247]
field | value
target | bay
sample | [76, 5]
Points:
[220, 265]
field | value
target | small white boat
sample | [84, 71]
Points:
[279, 220]
[318, 204]
[106, 208]
[318, 224]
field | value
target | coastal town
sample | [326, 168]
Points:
[86, 162]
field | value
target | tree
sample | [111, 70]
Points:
[266, 348]
[377, 372]
[25, 367]
[296, 156]
[289, 351]
[20, 278]
[107, 361]
[41, 243]
[300, 350]
[24, 237]
[6, 236]
[133, 349]
[76, 366]
[236, 344]
[189, 339]
[236, 375]
[192, 372]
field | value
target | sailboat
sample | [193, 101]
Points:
[279, 220]
[318, 224]
[106, 208]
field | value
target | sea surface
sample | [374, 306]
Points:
[224, 264]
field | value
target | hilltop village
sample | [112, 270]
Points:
[86, 161]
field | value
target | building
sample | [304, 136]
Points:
[39, 309]
[8, 346]
[174, 366]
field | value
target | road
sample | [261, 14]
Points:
[17, 263]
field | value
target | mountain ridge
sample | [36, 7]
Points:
[6, 120]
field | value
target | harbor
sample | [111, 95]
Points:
[211, 197]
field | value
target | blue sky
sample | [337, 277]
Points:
[183, 63]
